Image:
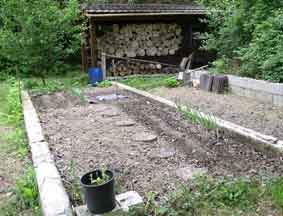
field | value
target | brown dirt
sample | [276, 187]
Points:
[89, 136]
[253, 114]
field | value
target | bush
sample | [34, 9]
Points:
[264, 56]
[37, 36]
[250, 31]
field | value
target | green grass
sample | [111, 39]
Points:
[73, 79]
[147, 83]
[14, 144]
[218, 196]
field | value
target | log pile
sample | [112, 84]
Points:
[125, 68]
[138, 40]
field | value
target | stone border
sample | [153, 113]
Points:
[267, 142]
[53, 197]
[262, 90]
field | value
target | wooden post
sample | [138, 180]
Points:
[103, 65]
[83, 56]
[190, 35]
[93, 43]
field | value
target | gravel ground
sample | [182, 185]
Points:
[246, 112]
[91, 136]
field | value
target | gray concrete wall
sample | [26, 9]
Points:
[257, 89]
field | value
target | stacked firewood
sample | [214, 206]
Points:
[125, 68]
[141, 40]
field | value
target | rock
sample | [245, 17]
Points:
[144, 137]
[125, 123]
[110, 114]
[164, 153]
[188, 172]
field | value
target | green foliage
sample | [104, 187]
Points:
[26, 189]
[249, 31]
[265, 52]
[172, 82]
[105, 84]
[69, 81]
[99, 180]
[147, 83]
[214, 196]
[36, 36]
[24, 193]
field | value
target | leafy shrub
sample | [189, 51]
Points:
[250, 31]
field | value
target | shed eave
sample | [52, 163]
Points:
[196, 12]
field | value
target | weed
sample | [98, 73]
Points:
[206, 121]
[105, 84]
[79, 93]
[213, 196]
[275, 190]
[73, 186]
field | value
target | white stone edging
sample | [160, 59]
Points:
[53, 196]
[256, 137]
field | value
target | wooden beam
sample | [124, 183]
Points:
[93, 42]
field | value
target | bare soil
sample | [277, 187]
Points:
[91, 136]
[250, 113]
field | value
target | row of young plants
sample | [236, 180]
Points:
[24, 195]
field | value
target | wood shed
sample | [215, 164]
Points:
[163, 33]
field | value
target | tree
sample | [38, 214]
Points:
[38, 35]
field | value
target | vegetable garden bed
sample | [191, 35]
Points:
[150, 146]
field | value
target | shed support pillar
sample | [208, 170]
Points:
[93, 43]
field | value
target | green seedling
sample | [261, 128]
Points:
[94, 180]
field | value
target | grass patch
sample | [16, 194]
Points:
[24, 193]
[105, 84]
[218, 196]
[73, 79]
[147, 83]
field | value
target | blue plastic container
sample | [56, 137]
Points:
[95, 76]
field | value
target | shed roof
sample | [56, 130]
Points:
[100, 10]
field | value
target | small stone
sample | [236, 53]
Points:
[126, 123]
[187, 173]
[110, 114]
[145, 137]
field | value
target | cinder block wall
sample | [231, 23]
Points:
[257, 89]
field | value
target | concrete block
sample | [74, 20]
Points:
[53, 197]
[40, 153]
[264, 96]
[277, 100]
[129, 199]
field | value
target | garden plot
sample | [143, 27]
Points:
[249, 113]
[150, 146]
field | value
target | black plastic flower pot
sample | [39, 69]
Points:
[99, 198]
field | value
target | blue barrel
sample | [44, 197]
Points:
[95, 76]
